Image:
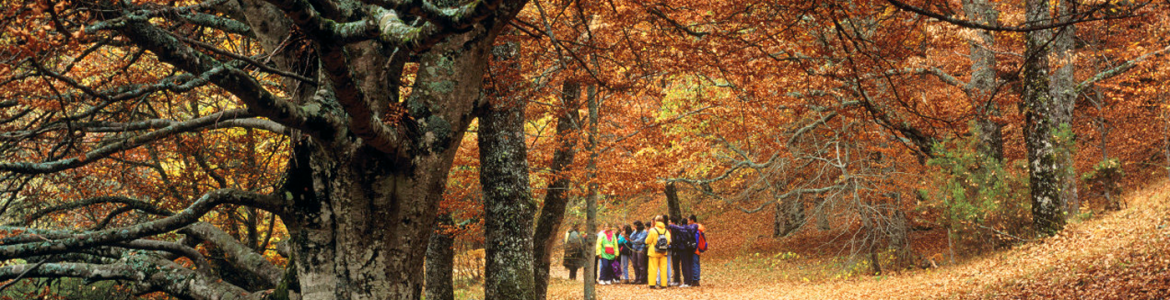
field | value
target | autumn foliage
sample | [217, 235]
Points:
[889, 133]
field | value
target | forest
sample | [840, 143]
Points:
[443, 149]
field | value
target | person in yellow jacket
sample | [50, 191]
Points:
[657, 264]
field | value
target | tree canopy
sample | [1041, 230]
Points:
[312, 149]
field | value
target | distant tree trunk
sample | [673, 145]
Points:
[555, 200]
[1064, 96]
[869, 226]
[789, 217]
[672, 200]
[1040, 125]
[591, 200]
[777, 220]
[982, 86]
[873, 260]
[440, 263]
[822, 214]
[508, 206]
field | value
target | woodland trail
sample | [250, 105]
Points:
[1118, 255]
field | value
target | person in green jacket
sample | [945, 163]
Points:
[657, 264]
[607, 251]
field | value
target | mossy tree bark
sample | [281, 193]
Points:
[508, 206]
[440, 263]
[1041, 125]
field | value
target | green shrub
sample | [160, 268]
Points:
[980, 199]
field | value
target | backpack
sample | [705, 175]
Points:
[662, 244]
[687, 239]
[701, 241]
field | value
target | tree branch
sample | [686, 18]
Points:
[125, 144]
[238, 254]
[168, 224]
[129, 202]
[153, 274]
[309, 118]
[460, 18]
[1120, 69]
[1085, 17]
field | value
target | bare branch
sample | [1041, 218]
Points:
[151, 273]
[123, 145]
[309, 118]
[239, 255]
[22, 274]
[1120, 69]
[129, 202]
[168, 224]
[1086, 16]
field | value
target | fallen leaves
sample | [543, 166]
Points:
[1116, 256]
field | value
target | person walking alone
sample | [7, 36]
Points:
[656, 252]
[574, 251]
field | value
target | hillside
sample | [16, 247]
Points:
[1116, 255]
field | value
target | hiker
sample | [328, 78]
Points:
[638, 242]
[701, 243]
[656, 251]
[607, 251]
[616, 262]
[597, 267]
[627, 251]
[683, 247]
[574, 251]
[669, 256]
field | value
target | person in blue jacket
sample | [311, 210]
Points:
[638, 240]
[684, 254]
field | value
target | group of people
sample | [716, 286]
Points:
[643, 253]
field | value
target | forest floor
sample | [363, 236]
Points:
[1117, 255]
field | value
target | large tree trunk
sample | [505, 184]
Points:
[508, 206]
[362, 217]
[349, 240]
[1040, 125]
[440, 263]
[982, 87]
[556, 199]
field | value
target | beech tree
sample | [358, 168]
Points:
[372, 96]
